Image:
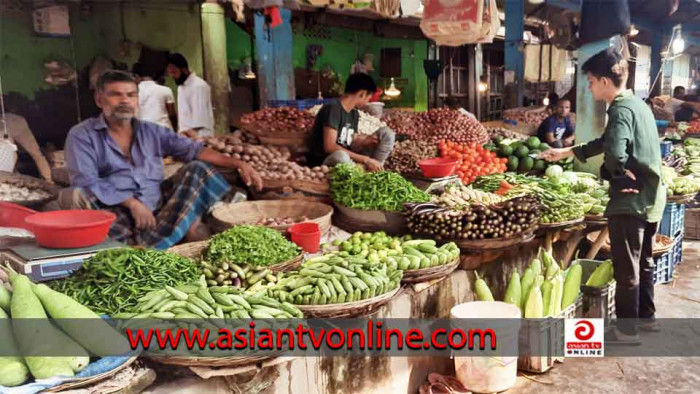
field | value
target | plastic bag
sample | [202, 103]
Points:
[460, 22]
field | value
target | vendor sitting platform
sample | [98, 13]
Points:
[335, 138]
[557, 130]
[116, 164]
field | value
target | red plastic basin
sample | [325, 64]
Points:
[307, 236]
[13, 215]
[71, 228]
[438, 167]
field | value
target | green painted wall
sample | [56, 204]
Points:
[97, 30]
[345, 45]
[341, 50]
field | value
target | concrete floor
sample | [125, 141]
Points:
[680, 298]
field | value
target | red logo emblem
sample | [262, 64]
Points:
[584, 330]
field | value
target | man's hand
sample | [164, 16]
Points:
[631, 176]
[364, 142]
[372, 165]
[192, 133]
[250, 176]
[142, 215]
[554, 154]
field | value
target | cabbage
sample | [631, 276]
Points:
[554, 172]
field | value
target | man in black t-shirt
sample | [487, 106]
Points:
[335, 138]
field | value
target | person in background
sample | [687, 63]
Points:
[335, 138]
[116, 164]
[556, 129]
[675, 104]
[156, 102]
[21, 135]
[194, 110]
[632, 164]
[688, 113]
[452, 102]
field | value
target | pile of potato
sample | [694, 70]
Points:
[272, 162]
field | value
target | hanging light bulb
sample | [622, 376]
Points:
[633, 31]
[482, 86]
[392, 91]
[545, 101]
[249, 74]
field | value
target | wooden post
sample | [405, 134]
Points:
[215, 63]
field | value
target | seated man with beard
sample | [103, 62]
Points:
[116, 164]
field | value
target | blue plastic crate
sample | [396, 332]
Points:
[298, 104]
[673, 221]
[663, 268]
[666, 147]
[677, 251]
[281, 103]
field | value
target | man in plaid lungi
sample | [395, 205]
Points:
[116, 163]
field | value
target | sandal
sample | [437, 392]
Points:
[451, 382]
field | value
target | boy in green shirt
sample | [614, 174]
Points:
[632, 164]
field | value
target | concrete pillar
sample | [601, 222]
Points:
[514, 57]
[274, 59]
[215, 63]
[590, 114]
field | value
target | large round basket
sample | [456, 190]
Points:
[684, 199]
[195, 250]
[31, 183]
[568, 223]
[348, 309]
[251, 212]
[82, 382]
[291, 137]
[662, 244]
[351, 220]
[595, 219]
[230, 362]
[426, 274]
[493, 244]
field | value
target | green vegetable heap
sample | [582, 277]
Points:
[253, 245]
[385, 191]
[113, 280]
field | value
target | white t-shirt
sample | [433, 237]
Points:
[153, 99]
[467, 113]
[194, 110]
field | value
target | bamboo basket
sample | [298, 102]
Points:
[493, 244]
[351, 220]
[684, 199]
[250, 212]
[665, 242]
[82, 382]
[195, 250]
[568, 223]
[426, 274]
[30, 183]
[229, 362]
[320, 188]
[348, 309]
[290, 137]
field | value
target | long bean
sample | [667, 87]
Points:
[386, 191]
[112, 281]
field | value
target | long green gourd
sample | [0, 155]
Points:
[13, 370]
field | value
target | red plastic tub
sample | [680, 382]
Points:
[71, 228]
[439, 167]
[307, 236]
[13, 215]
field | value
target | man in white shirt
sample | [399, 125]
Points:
[156, 102]
[194, 110]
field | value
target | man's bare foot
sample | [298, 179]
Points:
[197, 232]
